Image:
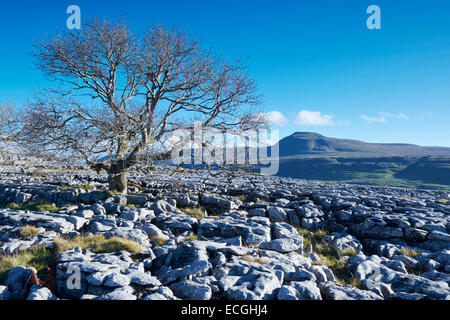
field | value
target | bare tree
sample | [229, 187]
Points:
[10, 124]
[117, 93]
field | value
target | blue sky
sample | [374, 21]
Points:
[317, 65]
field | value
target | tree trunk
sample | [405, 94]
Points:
[118, 179]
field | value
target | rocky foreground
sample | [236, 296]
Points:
[202, 237]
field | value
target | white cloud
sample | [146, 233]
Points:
[424, 115]
[381, 119]
[313, 118]
[403, 116]
[276, 118]
[384, 116]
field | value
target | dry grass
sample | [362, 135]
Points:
[311, 237]
[98, 244]
[191, 238]
[39, 172]
[348, 252]
[158, 241]
[410, 252]
[196, 213]
[37, 257]
[78, 186]
[37, 207]
[28, 232]
[254, 259]
[110, 192]
[40, 257]
[329, 255]
[132, 206]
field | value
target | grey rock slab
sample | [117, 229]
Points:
[154, 231]
[254, 285]
[143, 279]
[335, 291]
[322, 273]
[277, 214]
[407, 296]
[4, 293]
[190, 290]
[78, 222]
[97, 278]
[86, 214]
[16, 281]
[155, 297]
[415, 284]
[251, 232]
[117, 295]
[39, 293]
[301, 275]
[439, 236]
[131, 215]
[116, 279]
[307, 290]
[287, 292]
[283, 245]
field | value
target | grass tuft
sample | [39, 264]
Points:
[132, 206]
[28, 232]
[329, 255]
[410, 252]
[191, 238]
[110, 192]
[158, 241]
[98, 244]
[14, 206]
[38, 207]
[311, 237]
[45, 207]
[250, 258]
[348, 252]
[37, 257]
[196, 213]
[78, 186]
[40, 257]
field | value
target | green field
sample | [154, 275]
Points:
[422, 173]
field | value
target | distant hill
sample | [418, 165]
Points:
[314, 144]
[308, 155]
